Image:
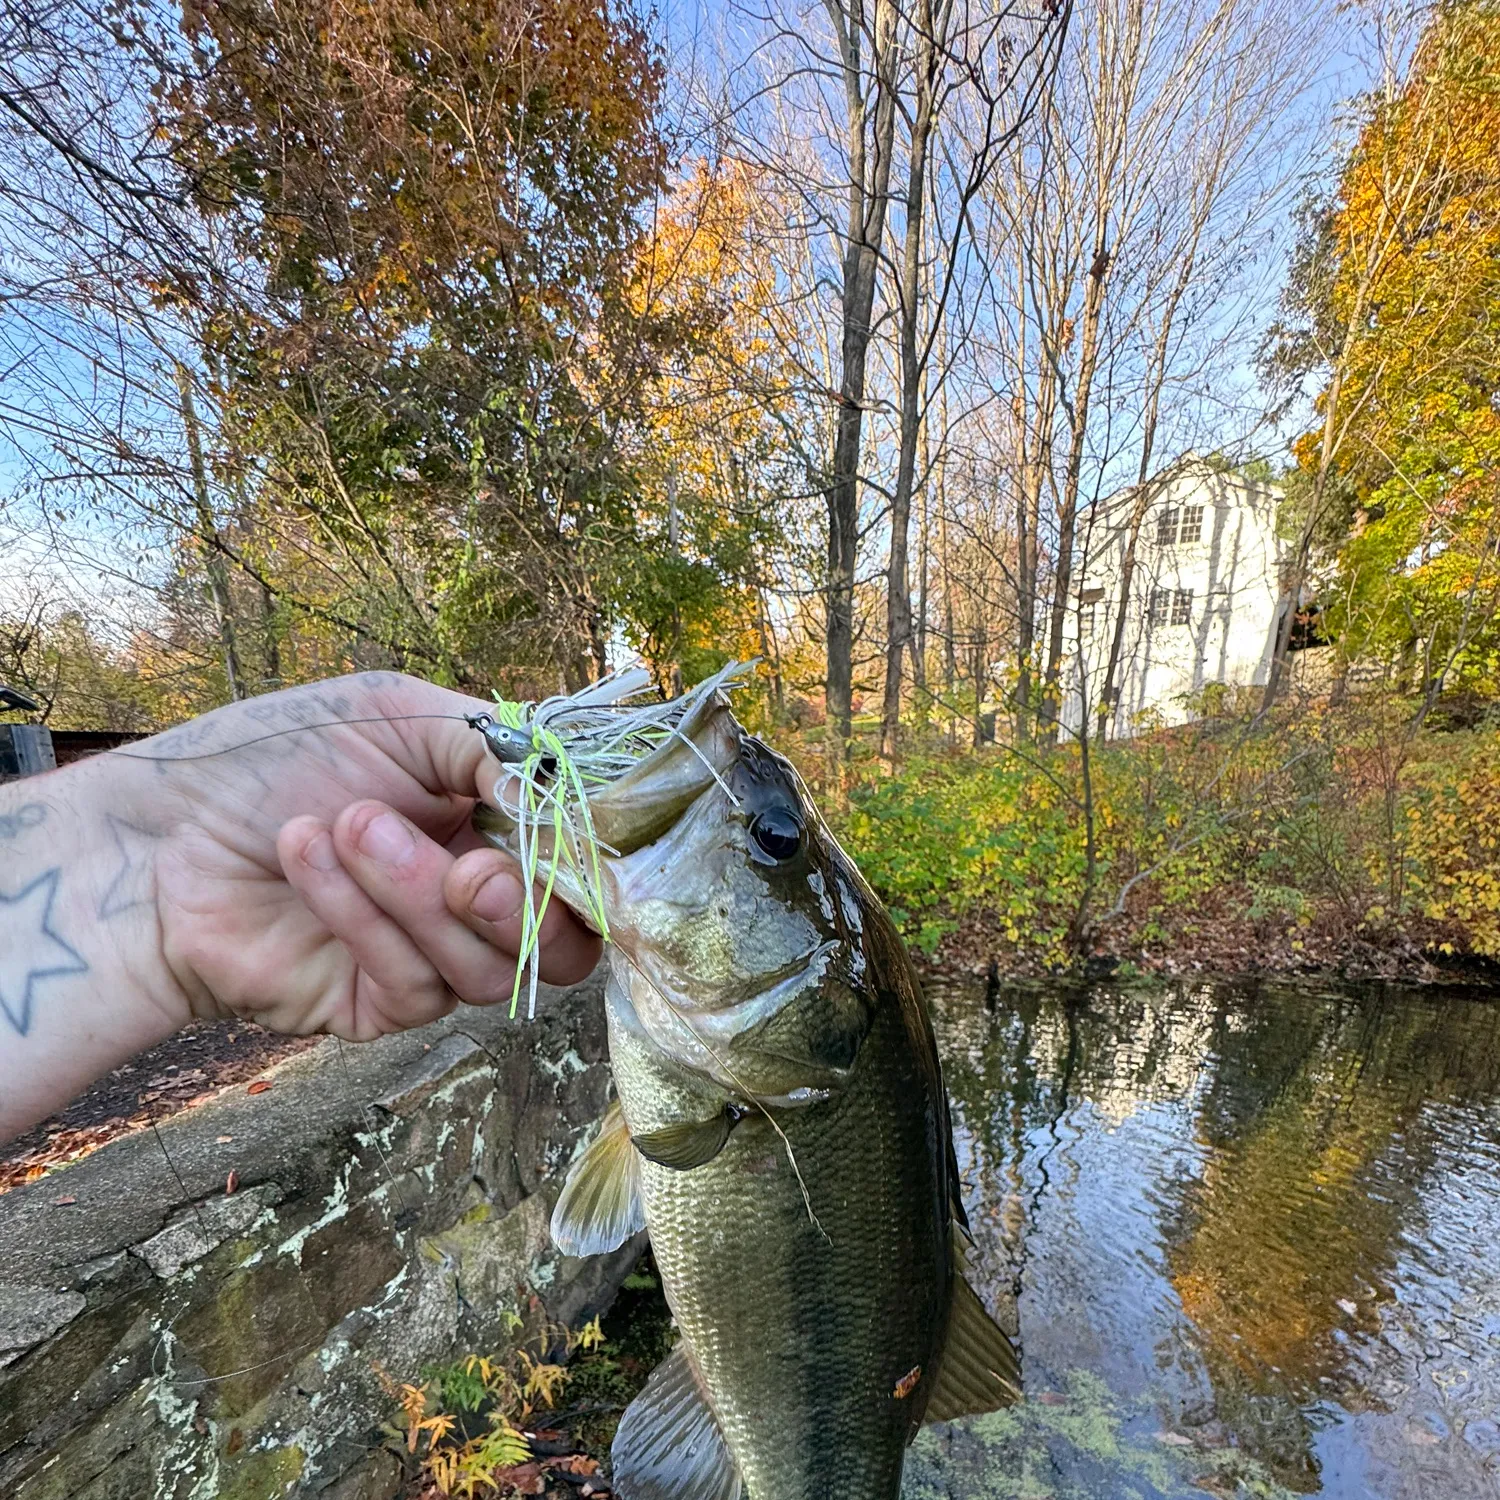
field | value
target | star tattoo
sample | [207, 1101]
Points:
[30, 950]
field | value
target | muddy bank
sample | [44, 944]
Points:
[1226, 936]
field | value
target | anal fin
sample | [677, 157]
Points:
[600, 1206]
[980, 1370]
[669, 1445]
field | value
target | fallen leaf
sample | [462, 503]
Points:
[259, 1086]
[524, 1479]
[231, 1183]
[908, 1383]
[223, 1140]
[578, 1463]
[236, 1440]
[64, 1202]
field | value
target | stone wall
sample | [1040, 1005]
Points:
[161, 1337]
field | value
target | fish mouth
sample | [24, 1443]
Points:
[635, 810]
[740, 1006]
[717, 1038]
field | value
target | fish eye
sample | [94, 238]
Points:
[777, 833]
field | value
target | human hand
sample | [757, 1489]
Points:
[324, 880]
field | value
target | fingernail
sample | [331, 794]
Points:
[319, 852]
[387, 839]
[498, 899]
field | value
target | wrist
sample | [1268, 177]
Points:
[83, 983]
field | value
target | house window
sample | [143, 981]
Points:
[1182, 604]
[1192, 524]
[1166, 527]
[1159, 606]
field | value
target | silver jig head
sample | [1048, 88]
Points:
[511, 747]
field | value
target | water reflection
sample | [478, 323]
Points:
[1265, 1221]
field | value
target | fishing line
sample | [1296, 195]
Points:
[734, 1078]
[276, 734]
[181, 1185]
[371, 1122]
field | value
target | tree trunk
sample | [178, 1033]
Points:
[924, 565]
[979, 665]
[1110, 691]
[1067, 517]
[1036, 457]
[1302, 552]
[1144, 491]
[270, 631]
[869, 182]
[950, 648]
[208, 535]
[898, 584]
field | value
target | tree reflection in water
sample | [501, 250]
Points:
[1266, 1217]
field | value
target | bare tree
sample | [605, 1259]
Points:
[829, 116]
[955, 53]
[1136, 201]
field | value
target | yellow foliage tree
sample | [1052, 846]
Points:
[1399, 285]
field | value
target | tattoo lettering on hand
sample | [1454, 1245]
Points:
[31, 951]
[134, 882]
[32, 815]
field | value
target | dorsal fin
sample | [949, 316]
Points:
[669, 1445]
[600, 1205]
[955, 1191]
[980, 1369]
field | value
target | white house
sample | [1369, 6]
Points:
[1205, 595]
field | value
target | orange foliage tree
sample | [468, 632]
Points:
[435, 211]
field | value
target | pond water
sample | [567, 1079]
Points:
[1251, 1232]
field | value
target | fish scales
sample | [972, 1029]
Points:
[803, 1330]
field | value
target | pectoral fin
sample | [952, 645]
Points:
[686, 1144]
[980, 1370]
[600, 1206]
[669, 1445]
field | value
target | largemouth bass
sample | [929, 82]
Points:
[782, 1132]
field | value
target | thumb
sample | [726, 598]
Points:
[428, 731]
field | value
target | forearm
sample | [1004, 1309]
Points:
[83, 985]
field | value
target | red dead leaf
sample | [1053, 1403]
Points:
[908, 1383]
[231, 1183]
[64, 1202]
[524, 1479]
[259, 1086]
[578, 1463]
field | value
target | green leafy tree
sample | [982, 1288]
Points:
[420, 386]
